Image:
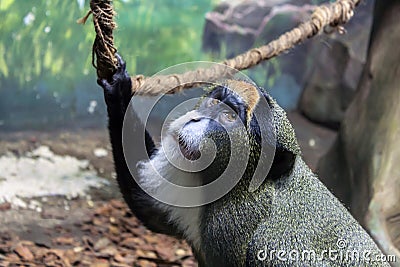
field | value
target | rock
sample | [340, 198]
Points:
[326, 96]
[336, 65]
[237, 26]
[287, 91]
[240, 23]
[362, 167]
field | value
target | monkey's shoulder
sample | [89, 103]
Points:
[306, 218]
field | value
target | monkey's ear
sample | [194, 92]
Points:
[282, 164]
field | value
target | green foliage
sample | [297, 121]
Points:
[41, 40]
[156, 34]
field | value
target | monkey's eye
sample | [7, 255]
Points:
[230, 116]
[212, 102]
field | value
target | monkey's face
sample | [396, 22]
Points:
[217, 126]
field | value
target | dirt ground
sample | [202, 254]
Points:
[98, 229]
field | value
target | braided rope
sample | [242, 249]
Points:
[103, 50]
[332, 15]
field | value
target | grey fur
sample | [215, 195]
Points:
[295, 213]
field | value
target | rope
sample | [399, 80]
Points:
[329, 15]
[103, 50]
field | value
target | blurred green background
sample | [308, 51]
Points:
[46, 76]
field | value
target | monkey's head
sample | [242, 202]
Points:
[224, 122]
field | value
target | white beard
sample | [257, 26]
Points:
[154, 175]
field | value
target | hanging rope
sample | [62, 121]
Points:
[103, 50]
[330, 15]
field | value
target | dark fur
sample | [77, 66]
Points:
[117, 94]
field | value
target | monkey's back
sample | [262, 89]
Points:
[308, 226]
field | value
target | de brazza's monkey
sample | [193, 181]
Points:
[290, 220]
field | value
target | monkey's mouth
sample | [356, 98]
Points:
[189, 150]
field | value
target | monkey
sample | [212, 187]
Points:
[291, 219]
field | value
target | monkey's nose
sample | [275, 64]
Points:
[195, 119]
